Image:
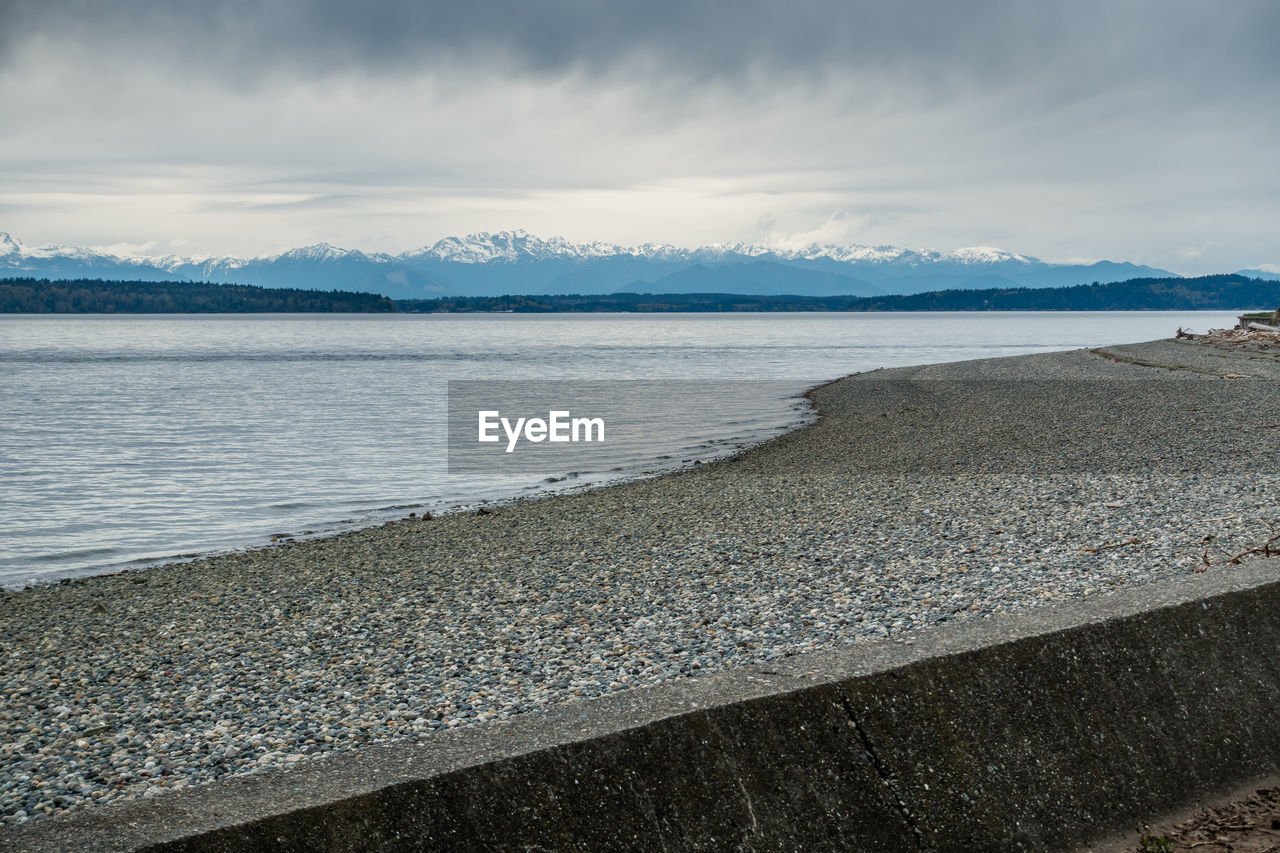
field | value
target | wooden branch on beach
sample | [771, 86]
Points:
[1270, 548]
[1265, 549]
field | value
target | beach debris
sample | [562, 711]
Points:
[1250, 333]
[1269, 548]
[1266, 549]
[1252, 822]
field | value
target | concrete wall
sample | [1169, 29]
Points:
[1036, 731]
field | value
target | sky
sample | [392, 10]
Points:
[1140, 130]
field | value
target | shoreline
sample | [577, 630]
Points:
[919, 496]
[68, 537]
[544, 489]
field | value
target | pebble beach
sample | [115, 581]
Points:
[920, 495]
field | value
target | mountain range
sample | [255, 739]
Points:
[516, 262]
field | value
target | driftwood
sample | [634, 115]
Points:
[1265, 549]
[1270, 548]
[1256, 333]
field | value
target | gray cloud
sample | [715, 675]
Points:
[1138, 129]
[985, 42]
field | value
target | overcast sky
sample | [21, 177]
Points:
[1143, 130]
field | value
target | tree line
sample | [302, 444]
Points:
[1212, 292]
[95, 296]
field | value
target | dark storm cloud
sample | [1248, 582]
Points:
[986, 42]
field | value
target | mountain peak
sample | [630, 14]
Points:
[512, 246]
[323, 251]
[986, 255]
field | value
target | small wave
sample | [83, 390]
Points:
[79, 554]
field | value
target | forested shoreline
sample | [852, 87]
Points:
[93, 296]
[1213, 292]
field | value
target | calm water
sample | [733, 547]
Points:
[134, 439]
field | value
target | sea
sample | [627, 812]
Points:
[126, 441]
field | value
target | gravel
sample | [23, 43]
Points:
[921, 495]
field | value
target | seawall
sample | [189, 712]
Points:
[1043, 729]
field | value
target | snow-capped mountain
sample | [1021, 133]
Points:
[8, 245]
[519, 262]
[514, 246]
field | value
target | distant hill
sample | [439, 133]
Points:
[1270, 276]
[1212, 292]
[1205, 293]
[93, 296]
[515, 262]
